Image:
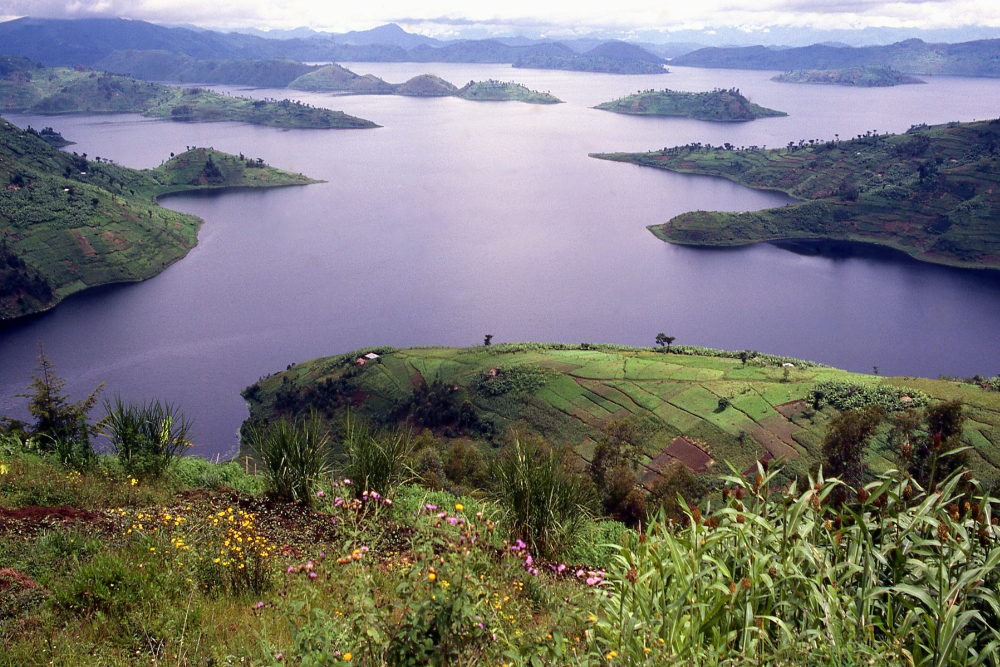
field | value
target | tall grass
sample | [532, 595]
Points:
[376, 461]
[544, 502]
[899, 576]
[295, 456]
[146, 437]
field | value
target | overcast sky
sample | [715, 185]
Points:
[442, 16]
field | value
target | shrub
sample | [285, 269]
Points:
[295, 456]
[544, 502]
[845, 396]
[523, 378]
[109, 583]
[146, 437]
[375, 461]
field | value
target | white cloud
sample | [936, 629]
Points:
[578, 17]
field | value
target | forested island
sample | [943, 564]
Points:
[868, 76]
[504, 91]
[931, 192]
[26, 87]
[717, 105]
[69, 222]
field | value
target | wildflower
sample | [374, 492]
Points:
[459, 507]
[279, 657]
[347, 657]
[347, 482]
[134, 481]
[320, 494]
[430, 508]
[259, 605]
[593, 619]
[612, 655]
[312, 575]
[432, 576]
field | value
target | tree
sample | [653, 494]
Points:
[939, 452]
[55, 416]
[744, 355]
[663, 339]
[846, 440]
[488, 340]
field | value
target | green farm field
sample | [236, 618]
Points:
[575, 392]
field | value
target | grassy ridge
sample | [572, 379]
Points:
[74, 223]
[30, 89]
[569, 394]
[870, 76]
[717, 105]
[931, 192]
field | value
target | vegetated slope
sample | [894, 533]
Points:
[501, 91]
[931, 192]
[716, 105]
[610, 58]
[868, 76]
[81, 90]
[703, 407]
[426, 85]
[334, 78]
[68, 223]
[167, 66]
[913, 56]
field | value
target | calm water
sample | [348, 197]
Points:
[458, 219]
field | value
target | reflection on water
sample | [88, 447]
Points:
[459, 218]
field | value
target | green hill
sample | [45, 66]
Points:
[334, 78]
[25, 89]
[716, 105]
[702, 407]
[167, 66]
[501, 91]
[68, 223]
[426, 85]
[869, 76]
[931, 192]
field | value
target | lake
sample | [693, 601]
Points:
[458, 219]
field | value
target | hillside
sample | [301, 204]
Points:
[80, 90]
[584, 63]
[869, 76]
[426, 85]
[69, 223]
[167, 66]
[717, 105]
[504, 91]
[702, 407]
[334, 78]
[931, 192]
[913, 56]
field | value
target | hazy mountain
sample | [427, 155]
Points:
[389, 34]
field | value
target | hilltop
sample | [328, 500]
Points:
[717, 105]
[502, 91]
[68, 222]
[868, 76]
[699, 406]
[912, 56]
[931, 192]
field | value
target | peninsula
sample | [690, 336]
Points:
[68, 222]
[28, 88]
[868, 76]
[716, 105]
[931, 192]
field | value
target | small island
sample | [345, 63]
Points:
[718, 105]
[69, 222]
[503, 91]
[930, 192]
[33, 89]
[868, 76]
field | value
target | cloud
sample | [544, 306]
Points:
[583, 16]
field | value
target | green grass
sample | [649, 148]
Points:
[716, 105]
[930, 192]
[76, 223]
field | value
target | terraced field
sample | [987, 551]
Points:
[703, 407]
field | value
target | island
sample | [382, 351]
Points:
[868, 76]
[931, 192]
[28, 88]
[336, 79]
[69, 222]
[718, 105]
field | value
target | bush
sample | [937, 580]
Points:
[375, 461]
[109, 583]
[146, 437]
[295, 456]
[856, 396]
[544, 502]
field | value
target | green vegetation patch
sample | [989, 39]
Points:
[869, 76]
[716, 105]
[503, 91]
[930, 192]
[855, 396]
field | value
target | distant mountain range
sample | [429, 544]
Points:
[96, 42]
[913, 56]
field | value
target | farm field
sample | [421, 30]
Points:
[704, 407]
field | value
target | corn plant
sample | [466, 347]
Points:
[898, 577]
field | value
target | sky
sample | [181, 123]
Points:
[449, 18]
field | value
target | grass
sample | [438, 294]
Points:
[716, 105]
[70, 222]
[930, 192]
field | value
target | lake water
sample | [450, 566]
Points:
[457, 219]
